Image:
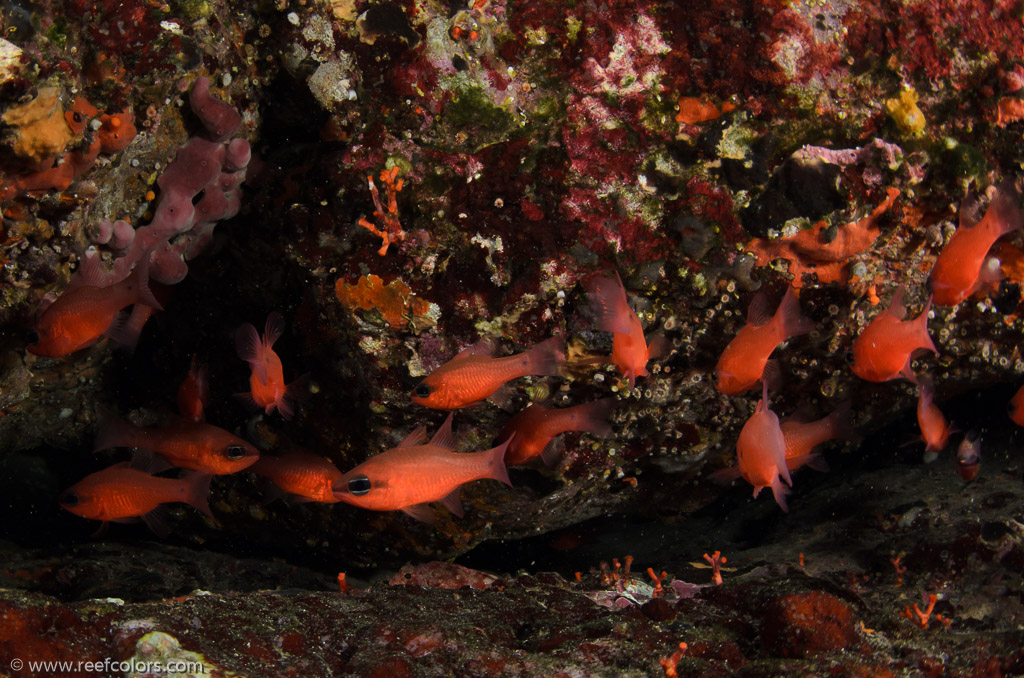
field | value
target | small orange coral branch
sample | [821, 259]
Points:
[671, 664]
[925, 615]
[716, 561]
[391, 229]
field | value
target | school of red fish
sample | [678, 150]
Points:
[419, 472]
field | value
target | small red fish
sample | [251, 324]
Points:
[194, 445]
[935, 429]
[83, 314]
[474, 375]
[968, 456]
[1016, 407]
[194, 392]
[743, 362]
[120, 493]
[803, 436]
[612, 313]
[303, 474]
[408, 477]
[267, 388]
[960, 267]
[884, 349]
[532, 429]
[761, 452]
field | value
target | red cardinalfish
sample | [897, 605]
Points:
[307, 476]
[968, 456]
[187, 444]
[743, 362]
[935, 429]
[803, 436]
[408, 477]
[612, 313]
[87, 311]
[474, 374]
[1016, 407]
[960, 267]
[530, 432]
[884, 349]
[761, 452]
[194, 392]
[267, 389]
[121, 494]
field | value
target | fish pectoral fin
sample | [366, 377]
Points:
[502, 397]
[156, 520]
[421, 512]
[453, 502]
[552, 452]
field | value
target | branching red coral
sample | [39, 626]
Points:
[391, 229]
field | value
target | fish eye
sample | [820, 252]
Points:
[359, 485]
[422, 391]
[234, 452]
[32, 337]
[69, 499]
[849, 357]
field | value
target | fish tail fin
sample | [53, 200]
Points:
[547, 357]
[779, 491]
[112, 431]
[609, 305]
[496, 462]
[197, 492]
[791, 322]
[250, 349]
[593, 416]
[840, 422]
[139, 285]
[126, 329]
[293, 393]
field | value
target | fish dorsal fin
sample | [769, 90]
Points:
[760, 312]
[897, 308]
[274, 328]
[421, 512]
[444, 436]
[484, 347]
[453, 502]
[417, 437]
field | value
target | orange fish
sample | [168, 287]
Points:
[884, 349]
[803, 436]
[935, 429]
[194, 392]
[194, 445]
[744, 360]
[120, 494]
[474, 375]
[1016, 407]
[532, 429]
[84, 313]
[267, 388]
[960, 267]
[761, 452]
[968, 456]
[307, 476]
[408, 477]
[612, 313]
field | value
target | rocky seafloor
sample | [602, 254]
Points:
[427, 174]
